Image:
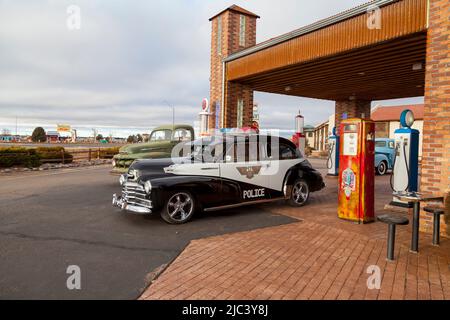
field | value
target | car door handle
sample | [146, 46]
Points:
[211, 168]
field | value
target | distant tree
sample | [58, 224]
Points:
[131, 139]
[38, 135]
[139, 138]
[99, 137]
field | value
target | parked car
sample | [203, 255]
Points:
[226, 172]
[160, 145]
[384, 155]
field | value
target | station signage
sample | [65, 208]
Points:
[63, 128]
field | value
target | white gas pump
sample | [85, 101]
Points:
[404, 176]
[333, 154]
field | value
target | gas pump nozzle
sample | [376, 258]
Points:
[397, 149]
[330, 147]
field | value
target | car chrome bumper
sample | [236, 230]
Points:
[121, 203]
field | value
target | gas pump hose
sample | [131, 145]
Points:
[330, 160]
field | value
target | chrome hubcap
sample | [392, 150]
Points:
[180, 206]
[300, 192]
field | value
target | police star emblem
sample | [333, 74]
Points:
[249, 171]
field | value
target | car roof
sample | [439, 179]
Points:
[172, 127]
[269, 137]
[241, 135]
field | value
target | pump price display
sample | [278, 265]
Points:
[350, 147]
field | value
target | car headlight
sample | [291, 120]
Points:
[148, 186]
[114, 163]
[122, 179]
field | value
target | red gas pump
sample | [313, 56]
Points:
[356, 170]
[298, 137]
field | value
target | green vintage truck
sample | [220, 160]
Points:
[160, 145]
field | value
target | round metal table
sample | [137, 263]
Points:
[416, 198]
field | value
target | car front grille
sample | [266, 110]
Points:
[134, 194]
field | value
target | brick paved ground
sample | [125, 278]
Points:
[320, 257]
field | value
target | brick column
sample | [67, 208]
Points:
[225, 40]
[353, 109]
[435, 176]
[234, 92]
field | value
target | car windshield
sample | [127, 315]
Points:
[208, 149]
[161, 135]
[182, 135]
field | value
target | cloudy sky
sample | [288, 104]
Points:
[130, 59]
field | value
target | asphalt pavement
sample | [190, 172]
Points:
[51, 220]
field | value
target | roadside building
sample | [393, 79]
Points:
[308, 130]
[321, 133]
[387, 120]
[6, 138]
[53, 136]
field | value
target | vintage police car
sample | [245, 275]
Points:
[219, 172]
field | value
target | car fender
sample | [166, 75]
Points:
[293, 174]
[380, 157]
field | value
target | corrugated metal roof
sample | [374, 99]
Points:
[345, 59]
[310, 28]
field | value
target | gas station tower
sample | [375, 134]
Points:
[233, 29]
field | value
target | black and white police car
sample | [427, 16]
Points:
[219, 172]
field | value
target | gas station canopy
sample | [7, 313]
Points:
[341, 57]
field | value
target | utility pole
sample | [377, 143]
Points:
[173, 113]
[95, 134]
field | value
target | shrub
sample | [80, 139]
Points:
[308, 150]
[323, 154]
[54, 155]
[108, 153]
[18, 156]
